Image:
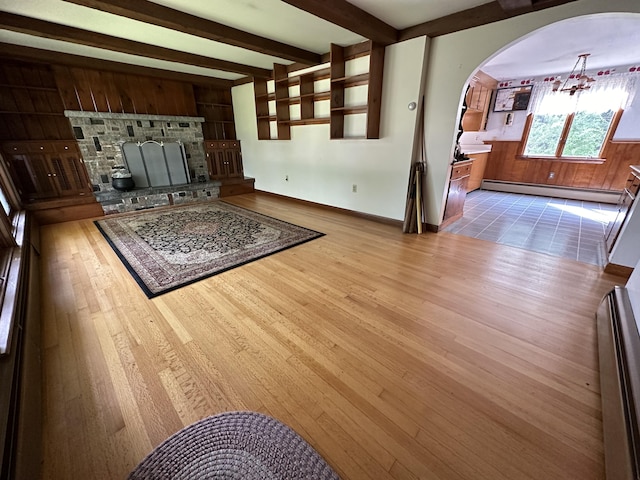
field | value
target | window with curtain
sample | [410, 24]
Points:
[575, 127]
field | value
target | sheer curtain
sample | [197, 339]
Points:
[606, 93]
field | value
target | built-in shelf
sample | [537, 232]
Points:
[339, 83]
[310, 121]
[29, 87]
[216, 107]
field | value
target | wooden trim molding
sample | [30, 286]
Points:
[353, 213]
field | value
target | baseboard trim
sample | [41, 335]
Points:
[587, 195]
[618, 270]
[353, 213]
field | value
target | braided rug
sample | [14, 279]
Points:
[234, 445]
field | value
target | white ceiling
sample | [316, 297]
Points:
[551, 50]
[407, 13]
[611, 39]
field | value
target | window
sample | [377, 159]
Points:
[574, 127]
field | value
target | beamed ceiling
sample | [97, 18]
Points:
[226, 41]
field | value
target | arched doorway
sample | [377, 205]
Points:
[527, 64]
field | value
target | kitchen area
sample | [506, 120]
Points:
[488, 157]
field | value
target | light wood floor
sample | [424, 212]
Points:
[396, 356]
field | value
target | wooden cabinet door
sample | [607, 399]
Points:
[457, 192]
[41, 175]
[216, 163]
[68, 173]
[477, 171]
[25, 179]
[233, 163]
[224, 159]
[455, 198]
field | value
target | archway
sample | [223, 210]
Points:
[525, 64]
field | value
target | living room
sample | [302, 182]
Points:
[395, 356]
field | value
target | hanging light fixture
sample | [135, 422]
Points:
[578, 74]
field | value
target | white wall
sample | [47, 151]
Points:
[452, 60]
[323, 170]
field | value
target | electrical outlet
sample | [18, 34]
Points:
[354, 188]
[286, 178]
[552, 175]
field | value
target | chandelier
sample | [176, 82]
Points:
[580, 77]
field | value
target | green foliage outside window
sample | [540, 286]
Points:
[544, 135]
[587, 134]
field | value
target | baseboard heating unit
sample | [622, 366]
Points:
[586, 195]
[619, 353]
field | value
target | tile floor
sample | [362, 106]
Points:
[564, 228]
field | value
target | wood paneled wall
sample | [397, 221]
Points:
[99, 91]
[611, 175]
[30, 105]
[34, 96]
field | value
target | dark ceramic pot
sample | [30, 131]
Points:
[123, 184]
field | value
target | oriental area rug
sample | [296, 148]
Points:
[173, 247]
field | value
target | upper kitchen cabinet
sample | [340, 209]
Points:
[478, 100]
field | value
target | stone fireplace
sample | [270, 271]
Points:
[101, 136]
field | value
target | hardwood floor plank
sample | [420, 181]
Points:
[396, 356]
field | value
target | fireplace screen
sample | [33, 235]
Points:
[154, 164]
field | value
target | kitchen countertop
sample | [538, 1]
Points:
[475, 148]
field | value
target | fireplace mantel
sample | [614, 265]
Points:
[132, 116]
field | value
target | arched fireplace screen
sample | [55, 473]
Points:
[154, 164]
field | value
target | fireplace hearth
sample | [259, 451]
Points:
[102, 136]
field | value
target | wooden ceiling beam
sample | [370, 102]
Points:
[472, 17]
[350, 17]
[18, 52]
[153, 13]
[40, 28]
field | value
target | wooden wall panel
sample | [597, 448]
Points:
[66, 88]
[611, 175]
[114, 102]
[33, 97]
[97, 87]
[121, 83]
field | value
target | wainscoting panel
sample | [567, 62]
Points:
[610, 175]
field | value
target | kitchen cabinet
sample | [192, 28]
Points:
[46, 170]
[477, 170]
[224, 159]
[477, 100]
[627, 198]
[458, 182]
